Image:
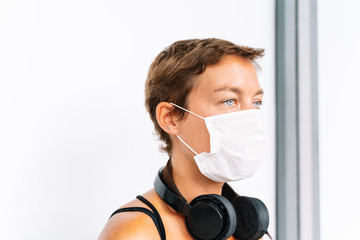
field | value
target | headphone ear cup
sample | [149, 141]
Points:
[252, 218]
[211, 217]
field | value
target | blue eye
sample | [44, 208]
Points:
[258, 104]
[230, 102]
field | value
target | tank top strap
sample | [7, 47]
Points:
[160, 222]
[155, 216]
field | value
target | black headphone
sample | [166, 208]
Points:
[215, 217]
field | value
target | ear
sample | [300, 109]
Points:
[166, 118]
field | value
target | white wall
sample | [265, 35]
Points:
[339, 84]
[75, 140]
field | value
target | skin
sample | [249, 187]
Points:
[229, 86]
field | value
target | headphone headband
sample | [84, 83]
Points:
[178, 203]
[172, 199]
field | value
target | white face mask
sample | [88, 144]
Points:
[236, 145]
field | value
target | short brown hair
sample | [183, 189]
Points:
[171, 76]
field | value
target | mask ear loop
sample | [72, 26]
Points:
[178, 135]
[186, 110]
[186, 145]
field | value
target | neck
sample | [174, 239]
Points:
[189, 180]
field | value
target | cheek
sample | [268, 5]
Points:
[196, 135]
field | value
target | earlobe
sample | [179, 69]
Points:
[166, 118]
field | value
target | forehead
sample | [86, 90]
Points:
[231, 71]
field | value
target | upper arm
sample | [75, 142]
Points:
[130, 225]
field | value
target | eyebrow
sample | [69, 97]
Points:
[238, 90]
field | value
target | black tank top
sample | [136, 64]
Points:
[155, 216]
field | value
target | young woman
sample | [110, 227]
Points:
[203, 97]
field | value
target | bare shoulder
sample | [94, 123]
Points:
[130, 225]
